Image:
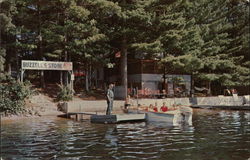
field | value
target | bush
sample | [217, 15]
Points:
[13, 95]
[65, 94]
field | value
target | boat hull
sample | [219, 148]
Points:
[175, 118]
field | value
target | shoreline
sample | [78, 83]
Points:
[41, 105]
[25, 116]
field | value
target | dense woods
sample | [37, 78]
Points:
[207, 39]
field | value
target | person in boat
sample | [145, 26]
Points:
[234, 91]
[164, 108]
[227, 92]
[155, 108]
[110, 99]
[150, 108]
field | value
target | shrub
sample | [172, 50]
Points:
[65, 94]
[13, 95]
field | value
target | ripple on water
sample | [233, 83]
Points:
[212, 135]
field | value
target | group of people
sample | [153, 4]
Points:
[163, 108]
[229, 92]
[110, 99]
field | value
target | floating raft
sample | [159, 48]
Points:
[118, 118]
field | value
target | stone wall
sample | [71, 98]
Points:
[246, 100]
[78, 105]
[168, 101]
[219, 100]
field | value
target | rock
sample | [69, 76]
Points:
[30, 112]
[42, 109]
[37, 114]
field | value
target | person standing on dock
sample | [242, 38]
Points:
[110, 99]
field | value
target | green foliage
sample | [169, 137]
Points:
[7, 9]
[13, 95]
[188, 63]
[65, 94]
[180, 37]
[205, 38]
[2, 59]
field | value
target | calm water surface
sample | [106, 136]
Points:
[215, 135]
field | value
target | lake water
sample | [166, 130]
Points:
[215, 135]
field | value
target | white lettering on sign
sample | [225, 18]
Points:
[46, 65]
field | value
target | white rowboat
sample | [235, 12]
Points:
[173, 117]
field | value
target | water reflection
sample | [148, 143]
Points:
[214, 135]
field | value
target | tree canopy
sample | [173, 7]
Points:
[208, 39]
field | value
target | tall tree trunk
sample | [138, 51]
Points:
[86, 79]
[66, 80]
[124, 70]
[61, 77]
[96, 76]
[192, 85]
[164, 78]
[10, 52]
[8, 63]
[90, 76]
[209, 88]
[42, 83]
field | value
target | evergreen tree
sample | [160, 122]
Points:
[239, 46]
[207, 39]
[7, 10]
[180, 38]
[208, 51]
[125, 23]
[218, 54]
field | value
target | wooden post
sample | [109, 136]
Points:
[22, 72]
[71, 84]
[77, 117]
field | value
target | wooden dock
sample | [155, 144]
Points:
[78, 116]
[118, 118]
[101, 118]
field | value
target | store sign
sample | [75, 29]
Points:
[46, 65]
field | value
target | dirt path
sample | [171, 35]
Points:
[43, 105]
[37, 106]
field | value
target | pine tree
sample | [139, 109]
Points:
[239, 46]
[218, 54]
[125, 23]
[71, 34]
[180, 37]
[202, 43]
[7, 10]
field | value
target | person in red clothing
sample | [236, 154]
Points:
[164, 108]
[155, 109]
